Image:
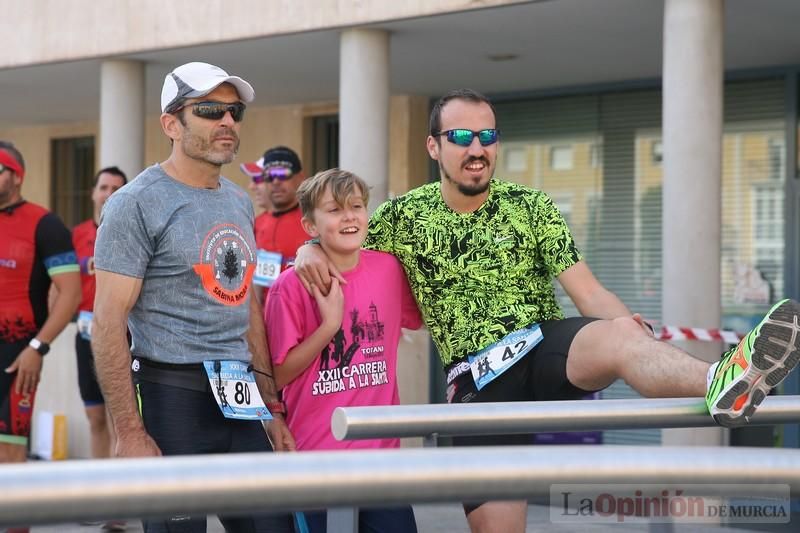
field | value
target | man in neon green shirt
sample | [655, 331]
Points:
[481, 255]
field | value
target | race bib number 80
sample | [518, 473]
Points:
[235, 390]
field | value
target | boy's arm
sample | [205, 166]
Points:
[299, 357]
[331, 308]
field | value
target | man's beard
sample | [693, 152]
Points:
[466, 189]
[281, 206]
[200, 149]
[7, 194]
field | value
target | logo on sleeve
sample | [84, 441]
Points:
[87, 265]
[226, 266]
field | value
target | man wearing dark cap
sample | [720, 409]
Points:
[274, 182]
[174, 261]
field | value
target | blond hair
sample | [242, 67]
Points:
[342, 184]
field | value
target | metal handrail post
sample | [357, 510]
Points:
[375, 422]
[68, 491]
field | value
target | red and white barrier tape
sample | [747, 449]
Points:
[674, 333]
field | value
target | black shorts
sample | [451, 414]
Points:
[186, 421]
[370, 520]
[540, 375]
[16, 410]
[87, 375]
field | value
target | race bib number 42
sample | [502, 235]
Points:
[235, 390]
[495, 359]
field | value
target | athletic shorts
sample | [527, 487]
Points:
[16, 410]
[185, 421]
[540, 375]
[370, 520]
[87, 376]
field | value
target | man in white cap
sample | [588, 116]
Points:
[174, 260]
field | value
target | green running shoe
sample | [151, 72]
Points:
[741, 380]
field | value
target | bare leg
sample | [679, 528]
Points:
[607, 350]
[103, 440]
[14, 453]
[99, 431]
[499, 517]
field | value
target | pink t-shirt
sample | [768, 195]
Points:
[359, 366]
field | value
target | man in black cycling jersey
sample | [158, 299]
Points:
[35, 252]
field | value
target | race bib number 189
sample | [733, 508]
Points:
[495, 359]
[268, 268]
[235, 390]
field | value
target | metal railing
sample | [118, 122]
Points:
[348, 423]
[38, 493]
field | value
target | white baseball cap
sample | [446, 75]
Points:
[198, 79]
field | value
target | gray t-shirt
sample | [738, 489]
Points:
[194, 249]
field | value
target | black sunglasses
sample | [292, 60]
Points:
[463, 137]
[216, 110]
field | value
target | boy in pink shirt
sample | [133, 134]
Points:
[340, 348]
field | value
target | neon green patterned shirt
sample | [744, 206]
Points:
[477, 276]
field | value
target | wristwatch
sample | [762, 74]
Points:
[277, 407]
[39, 346]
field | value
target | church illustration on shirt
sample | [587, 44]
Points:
[369, 331]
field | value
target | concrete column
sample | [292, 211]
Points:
[122, 116]
[364, 108]
[692, 137]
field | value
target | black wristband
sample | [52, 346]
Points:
[40, 346]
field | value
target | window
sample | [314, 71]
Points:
[561, 157]
[516, 159]
[657, 152]
[72, 170]
[326, 143]
[777, 157]
[595, 155]
[767, 265]
[768, 214]
[612, 195]
[753, 220]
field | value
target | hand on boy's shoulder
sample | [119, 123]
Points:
[313, 266]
